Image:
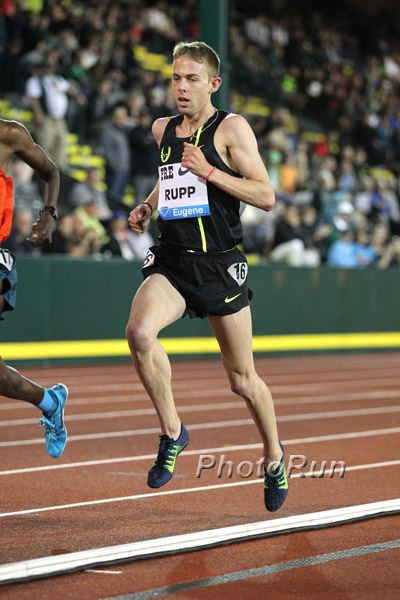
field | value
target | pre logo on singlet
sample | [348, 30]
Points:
[182, 194]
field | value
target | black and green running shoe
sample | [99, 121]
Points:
[275, 486]
[168, 450]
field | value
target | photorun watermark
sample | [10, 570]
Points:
[298, 464]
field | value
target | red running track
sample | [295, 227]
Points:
[333, 408]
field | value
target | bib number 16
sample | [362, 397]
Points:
[239, 272]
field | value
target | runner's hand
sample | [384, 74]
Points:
[42, 230]
[194, 160]
[138, 218]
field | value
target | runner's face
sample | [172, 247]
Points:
[191, 85]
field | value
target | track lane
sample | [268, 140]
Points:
[374, 376]
[206, 509]
[96, 447]
[138, 576]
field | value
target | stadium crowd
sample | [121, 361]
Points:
[329, 75]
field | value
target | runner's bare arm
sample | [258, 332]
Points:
[158, 128]
[240, 143]
[139, 216]
[25, 148]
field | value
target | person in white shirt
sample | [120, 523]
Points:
[48, 96]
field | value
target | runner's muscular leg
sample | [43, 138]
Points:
[13, 384]
[2, 300]
[234, 335]
[156, 304]
[16, 386]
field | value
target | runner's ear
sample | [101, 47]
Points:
[215, 84]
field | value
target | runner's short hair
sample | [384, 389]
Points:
[200, 52]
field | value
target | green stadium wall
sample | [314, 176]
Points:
[79, 308]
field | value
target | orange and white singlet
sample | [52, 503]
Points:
[6, 206]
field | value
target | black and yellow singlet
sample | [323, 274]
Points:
[219, 231]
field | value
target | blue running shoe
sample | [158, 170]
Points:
[163, 469]
[275, 486]
[55, 432]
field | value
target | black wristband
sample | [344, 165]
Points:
[149, 205]
[49, 209]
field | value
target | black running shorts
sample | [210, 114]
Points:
[211, 284]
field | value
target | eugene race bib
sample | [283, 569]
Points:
[182, 194]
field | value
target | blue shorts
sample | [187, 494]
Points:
[8, 275]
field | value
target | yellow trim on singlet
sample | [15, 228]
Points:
[202, 234]
[198, 134]
[199, 219]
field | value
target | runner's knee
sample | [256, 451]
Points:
[4, 377]
[140, 336]
[242, 384]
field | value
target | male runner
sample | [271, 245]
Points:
[16, 140]
[209, 163]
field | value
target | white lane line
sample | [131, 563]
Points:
[332, 414]
[141, 412]
[213, 425]
[276, 384]
[103, 571]
[188, 383]
[209, 393]
[136, 412]
[204, 488]
[218, 582]
[336, 385]
[311, 372]
[349, 360]
[109, 461]
[362, 412]
[381, 366]
[50, 565]
[131, 398]
[326, 398]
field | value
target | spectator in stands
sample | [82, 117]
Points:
[365, 253]
[84, 241]
[88, 192]
[391, 255]
[115, 144]
[314, 233]
[341, 220]
[62, 236]
[88, 214]
[26, 191]
[337, 121]
[289, 245]
[107, 94]
[161, 26]
[258, 229]
[342, 253]
[347, 179]
[144, 156]
[22, 226]
[48, 95]
[380, 239]
[125, 243]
